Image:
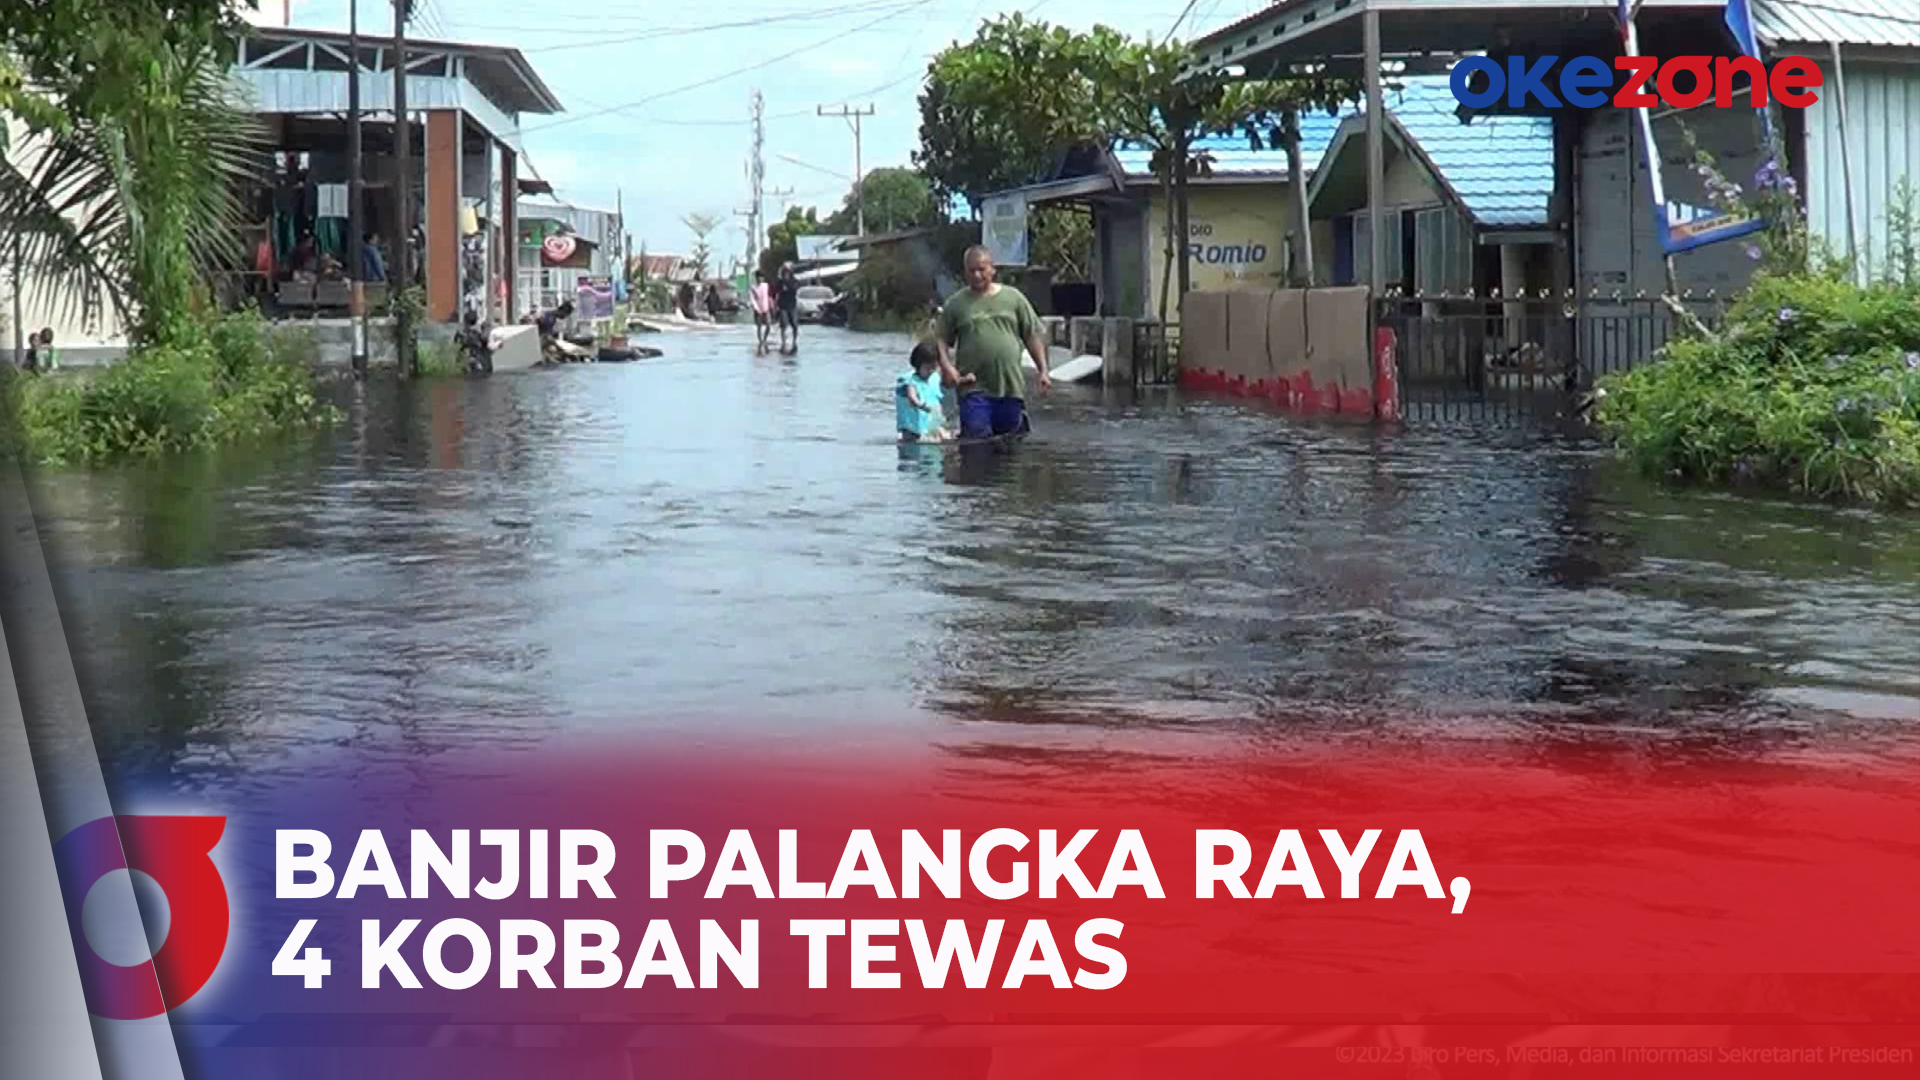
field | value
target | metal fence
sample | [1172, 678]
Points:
[1511, 358]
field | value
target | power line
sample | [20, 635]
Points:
[1184, 12]
[716, 78]
[892, 7]
[853, 117]
[655, 30]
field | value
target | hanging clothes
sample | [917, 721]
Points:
[330, 201]
[331, 233]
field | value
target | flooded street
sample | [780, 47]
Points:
[732, 548]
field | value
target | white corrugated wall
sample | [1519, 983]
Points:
[1882, 147]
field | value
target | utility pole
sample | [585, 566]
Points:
[859, 180]
[356, 194]
[753, 250]
[626, 238]
[756, 181]
[403, 180]
[780, 196]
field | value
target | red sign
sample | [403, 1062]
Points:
[1386, 379]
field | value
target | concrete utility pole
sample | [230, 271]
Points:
[752, 218]
[756, 181]
[403, 177]
[356, 194]
[859, 179]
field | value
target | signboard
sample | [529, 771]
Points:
[1682, 226]
[565, 251]
[1003, 229]
[595, 298]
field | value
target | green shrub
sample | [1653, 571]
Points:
[231, 380]
[1812, 385]
[439, 359]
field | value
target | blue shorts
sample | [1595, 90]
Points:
[982, 416]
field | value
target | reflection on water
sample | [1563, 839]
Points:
[731, 546]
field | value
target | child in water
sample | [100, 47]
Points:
[917, 398]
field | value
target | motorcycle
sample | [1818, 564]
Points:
[476, 344]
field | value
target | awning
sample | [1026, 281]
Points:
[827, 273]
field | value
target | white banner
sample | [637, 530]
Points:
[1003, 229]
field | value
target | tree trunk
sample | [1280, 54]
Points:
[1166, 272]
[19, 312]
[1300, 274]
[1182, 147]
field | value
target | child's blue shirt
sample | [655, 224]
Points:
[909, 418]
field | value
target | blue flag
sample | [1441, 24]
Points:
[1740, 21]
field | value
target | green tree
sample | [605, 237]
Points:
[53, 50]
[999, 110]
[1156, 107]
[783, 238]
[702, 226]
[895, 198]
[1062, 237]
[122, 193]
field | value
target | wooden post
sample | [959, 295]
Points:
[1376, 159]
[1080, 334]
[1116, 351]
[356, 194]
[403, 278]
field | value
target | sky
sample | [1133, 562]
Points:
[658, 94]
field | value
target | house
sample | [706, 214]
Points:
[1605, 247]
[465, 104]
[1237, 214]
[560, 244]
[1468, 206]
[673, 268]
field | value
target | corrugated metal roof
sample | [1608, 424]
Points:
[1232, 158]
[1500, 166]
[1850, 22]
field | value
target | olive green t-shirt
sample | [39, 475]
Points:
[989, 335]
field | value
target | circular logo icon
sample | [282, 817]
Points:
[177, 854]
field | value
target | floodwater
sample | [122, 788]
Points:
[728, 548]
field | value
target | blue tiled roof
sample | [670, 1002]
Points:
[1500, 166]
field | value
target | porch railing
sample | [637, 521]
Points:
[1491, 354]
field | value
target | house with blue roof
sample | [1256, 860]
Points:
[1845, 155]
[1469, 203]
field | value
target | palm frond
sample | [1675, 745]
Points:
[130, 210]
[62, 213]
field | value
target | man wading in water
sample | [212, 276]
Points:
[983, 329]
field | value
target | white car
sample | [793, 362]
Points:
[810, 303]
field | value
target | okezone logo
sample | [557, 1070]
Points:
[1585, 80]
[177, 853]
